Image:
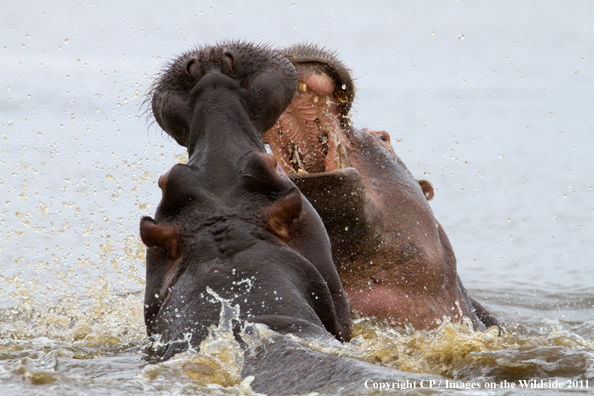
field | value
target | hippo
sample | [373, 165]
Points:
[393, 257]
[230, 222]
[233, 242]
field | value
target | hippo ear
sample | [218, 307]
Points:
[427, 188]
[162, 235]
[280, 215]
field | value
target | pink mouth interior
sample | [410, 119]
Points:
[306, 136]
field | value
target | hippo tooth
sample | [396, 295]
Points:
[302, 87]
[342, 160]
[315, 98]
[324, 141]
[296, 158]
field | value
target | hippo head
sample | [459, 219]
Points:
[264, 80]
[230, 221]
[393, 257]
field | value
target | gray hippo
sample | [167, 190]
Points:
[230, 219]
[232, 227]
[393, 257]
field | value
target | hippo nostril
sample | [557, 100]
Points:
[191, 67]
[228, 62]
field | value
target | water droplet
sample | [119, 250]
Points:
[182, 158]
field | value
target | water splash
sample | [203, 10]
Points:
[454, 350]
[216, 367]
[99, 316]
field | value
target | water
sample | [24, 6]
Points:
[491, 102]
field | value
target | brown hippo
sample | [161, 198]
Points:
[393, 257]
[230, 222]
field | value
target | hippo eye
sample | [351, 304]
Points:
[382, 135]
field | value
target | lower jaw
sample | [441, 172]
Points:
[295, 161]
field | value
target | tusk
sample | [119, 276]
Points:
[342, 160]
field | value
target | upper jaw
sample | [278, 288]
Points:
[325, 61]
[309, 136]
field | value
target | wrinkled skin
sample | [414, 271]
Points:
[392, 255]
[230, 221]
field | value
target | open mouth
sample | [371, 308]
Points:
[309, 136]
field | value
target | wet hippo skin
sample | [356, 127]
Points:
[230, 223]
[392, 255]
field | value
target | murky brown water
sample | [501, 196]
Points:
[101, 348]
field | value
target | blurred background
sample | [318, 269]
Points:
[491, 102]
